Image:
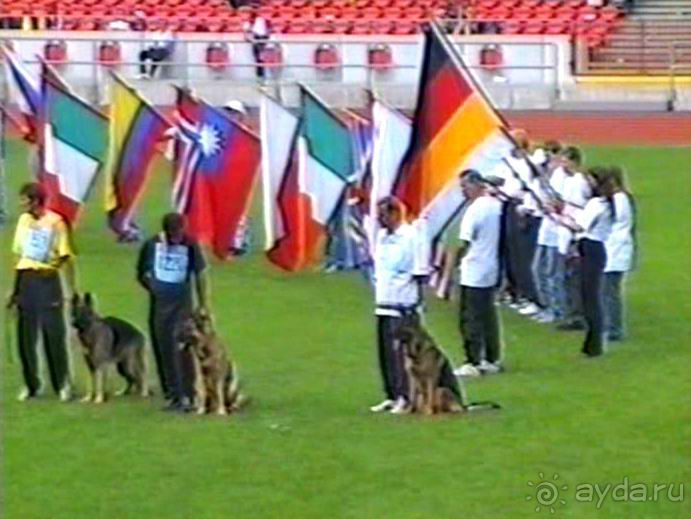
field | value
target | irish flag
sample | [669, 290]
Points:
[75, 146]
[308, 162]
[455, 128]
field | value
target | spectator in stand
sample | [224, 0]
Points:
[257, 32]
[160, 50]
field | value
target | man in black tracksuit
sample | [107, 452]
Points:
[167, 263]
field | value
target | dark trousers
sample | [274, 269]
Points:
[479, 325]
[391, 355]
[41, 312]
[257, 48]
[149, 59]
[175, 368]
[593, 257]
[510, 248]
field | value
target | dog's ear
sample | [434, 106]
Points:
[89, 300]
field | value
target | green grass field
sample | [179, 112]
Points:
[308, 446]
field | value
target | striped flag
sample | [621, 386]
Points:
[75, 141]
[25, 89]
[317, 154]
[135, 130]
[391, 139]
[455, 128]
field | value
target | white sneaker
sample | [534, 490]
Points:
[529, 309]
[400, 407]
[544, 317]
[24, 395]
[65, 394]
[490, 368]
[467, 370]
[386, 405]
[516, 305]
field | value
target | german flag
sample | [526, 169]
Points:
[455, 127]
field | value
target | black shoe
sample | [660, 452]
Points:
[571, 326]
[176, 406]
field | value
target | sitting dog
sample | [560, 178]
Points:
[105, 341]
[433, 388]
[218, 384]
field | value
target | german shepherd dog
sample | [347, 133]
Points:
[433, 388]
[218, 388]
[106, 341]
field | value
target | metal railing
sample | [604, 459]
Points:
[507, 82]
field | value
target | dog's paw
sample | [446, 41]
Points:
[201, 410]
[100, 399]
[86, 399]
[222, 411]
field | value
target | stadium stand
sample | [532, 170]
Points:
[655, 36]
[321, 16]
[613, 37]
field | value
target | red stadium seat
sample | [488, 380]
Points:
[55, 52]
[326, 57]
[109, 54]
[271, 56]
[217, 56]
[380, 57]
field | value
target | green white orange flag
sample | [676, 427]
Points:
[307, 163]
[455, 127]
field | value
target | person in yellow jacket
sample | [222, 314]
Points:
[42, 244]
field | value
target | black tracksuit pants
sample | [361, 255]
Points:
[479, 325]
[391, 356]
[41, 313]
[175, 368]
[594, 258]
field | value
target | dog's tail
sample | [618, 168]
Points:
[486, 405]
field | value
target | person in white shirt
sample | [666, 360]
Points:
[258, 33]
[620, 248]
[521, 232]
[593, 226]
[399, 270]
[480, 272]
[550, 187]
[577, 191]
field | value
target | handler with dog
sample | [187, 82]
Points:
[42, 242]
[167, 263]
[397, 276]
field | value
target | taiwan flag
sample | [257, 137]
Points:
[216, 171]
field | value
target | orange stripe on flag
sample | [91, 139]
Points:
[444, 157]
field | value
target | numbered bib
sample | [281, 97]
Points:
[37, 244]
[171, 263]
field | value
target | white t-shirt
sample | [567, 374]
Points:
[480, 227]
[619, 245]
[396, 262]
[548, 234]
[512, 176]
[576, 192]
[595, 219]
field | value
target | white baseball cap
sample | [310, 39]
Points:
[236, 106]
